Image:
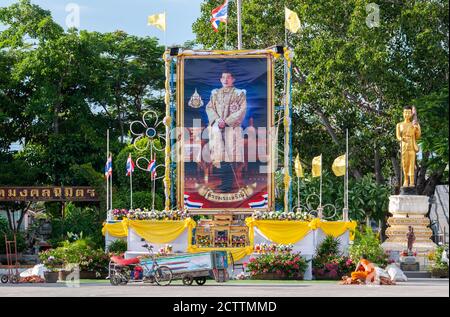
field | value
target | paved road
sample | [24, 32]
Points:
[412, 288]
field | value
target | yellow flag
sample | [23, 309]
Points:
[298, 167]
[317, 166]
[158, 20]
[338, 166]
[292, 22]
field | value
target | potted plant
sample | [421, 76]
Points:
[52, 265]
[92, 263]
[439, 269]
[277, 266]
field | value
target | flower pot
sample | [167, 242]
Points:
[51, 277]
[439, 272]
[62, 275]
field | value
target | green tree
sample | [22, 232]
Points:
[348, 75]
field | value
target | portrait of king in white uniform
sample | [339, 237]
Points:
[226, 111]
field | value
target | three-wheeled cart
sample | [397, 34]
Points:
[198, 267]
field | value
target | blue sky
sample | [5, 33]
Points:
[129, 16]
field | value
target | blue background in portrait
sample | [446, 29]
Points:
[204, 75]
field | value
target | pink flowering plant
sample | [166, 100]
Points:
[288, 265]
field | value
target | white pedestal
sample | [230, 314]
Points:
[409, 210]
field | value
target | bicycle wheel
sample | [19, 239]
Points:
[163, 275]
[115, 280]
[14, 279]
[4, 279]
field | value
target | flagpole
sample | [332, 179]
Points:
[154, 184]
[131, 185]
[107, 174]
[320, 209]
[298, 193]
[239, 25]
[111, 184]
[345, 211]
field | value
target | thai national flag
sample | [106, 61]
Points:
[130, 166]
[189, 204]
[261, 203]
[152, 168]
[219, 14]
[108, 167]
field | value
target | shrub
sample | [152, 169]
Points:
[118, 246]
[80, 252]
[77, 220]
[368, 243]
[20, 237]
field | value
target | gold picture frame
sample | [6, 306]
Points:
[180, 97]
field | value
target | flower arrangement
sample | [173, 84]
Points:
[238, 241]
[273, 248]
[145, 214]
[291, 216]
[221, 242]
[405, 253]
[203, 241]
[168, 248]
[119, 214]
[277, 265]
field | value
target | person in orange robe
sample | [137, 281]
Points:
[365, 270]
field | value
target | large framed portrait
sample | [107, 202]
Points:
[225, 113]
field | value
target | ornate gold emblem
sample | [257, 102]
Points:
[196, 100]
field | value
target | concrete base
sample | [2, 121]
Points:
[409, 210]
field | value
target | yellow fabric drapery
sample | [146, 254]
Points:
[337, 228]
[282, 232]
[237, 253]
[334, 228]
[160, 231]
[287, 232]
[115, 229]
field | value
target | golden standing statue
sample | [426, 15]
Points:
[408, 133]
